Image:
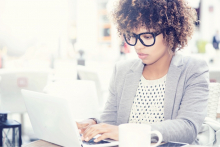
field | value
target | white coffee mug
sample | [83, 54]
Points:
[137, 135]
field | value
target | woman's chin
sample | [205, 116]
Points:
[148, 62]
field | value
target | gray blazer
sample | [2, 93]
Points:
[185, 102]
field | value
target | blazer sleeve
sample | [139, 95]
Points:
[192, 112]
[109, 115]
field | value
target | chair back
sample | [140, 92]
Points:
[213, 101]
[13, 81]
[86, 73]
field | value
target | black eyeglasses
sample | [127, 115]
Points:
[147, 39]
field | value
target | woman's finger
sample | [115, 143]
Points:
[83, 129]
[87, 133]
[91, 135]
[102, 137]
[87, 129]
[93, 131]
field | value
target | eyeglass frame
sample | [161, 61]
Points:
[137, 36]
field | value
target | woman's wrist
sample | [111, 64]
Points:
[93, 120]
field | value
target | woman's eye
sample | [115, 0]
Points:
[147, 37]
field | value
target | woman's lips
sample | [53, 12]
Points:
[142, 56]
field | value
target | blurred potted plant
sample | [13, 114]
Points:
[201, 46]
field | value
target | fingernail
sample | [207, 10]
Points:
[79, 131]
[87, 139]
[95, 140]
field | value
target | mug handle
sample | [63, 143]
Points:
[159, 136]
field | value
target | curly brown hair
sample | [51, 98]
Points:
[174, 18]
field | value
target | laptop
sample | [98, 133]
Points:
[52, 121]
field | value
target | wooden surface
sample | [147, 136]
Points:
[41, 143]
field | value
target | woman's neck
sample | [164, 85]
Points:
[158, 69]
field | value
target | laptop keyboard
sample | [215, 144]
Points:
[91, 142]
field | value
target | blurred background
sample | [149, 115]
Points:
[46, 45]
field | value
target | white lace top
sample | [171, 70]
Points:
[148, 104]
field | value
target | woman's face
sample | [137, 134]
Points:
[150, 55]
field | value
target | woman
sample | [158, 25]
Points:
[167, 90]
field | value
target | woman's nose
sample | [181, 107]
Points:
[139, 45]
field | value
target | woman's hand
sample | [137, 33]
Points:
[106, 131]
[83, 125]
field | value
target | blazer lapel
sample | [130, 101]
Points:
[129, 92]
[171, 85]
